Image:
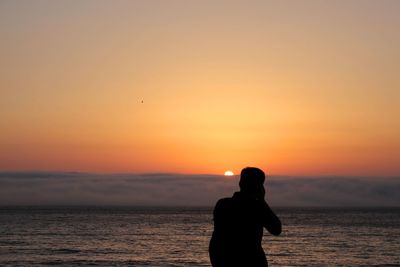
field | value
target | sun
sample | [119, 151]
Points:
[228, 173]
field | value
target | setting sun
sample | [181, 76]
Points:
[228, 173]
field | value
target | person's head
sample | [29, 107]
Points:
[252, 181]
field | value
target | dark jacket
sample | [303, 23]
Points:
[238, 231]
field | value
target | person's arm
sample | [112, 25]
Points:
[270, 220]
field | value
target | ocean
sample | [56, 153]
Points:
[143, 236]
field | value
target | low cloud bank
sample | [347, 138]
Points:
[158, 189]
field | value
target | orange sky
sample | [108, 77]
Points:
[298, 88]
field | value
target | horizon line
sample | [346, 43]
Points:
[76, 172]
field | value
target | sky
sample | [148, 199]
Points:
[298, 88]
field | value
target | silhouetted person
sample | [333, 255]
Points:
[239, 223]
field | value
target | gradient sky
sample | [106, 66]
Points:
[294, 87]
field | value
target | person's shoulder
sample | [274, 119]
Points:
[222, 206]
[224, 201]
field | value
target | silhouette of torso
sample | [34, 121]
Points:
[238, 231]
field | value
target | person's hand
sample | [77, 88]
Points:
[260, 194]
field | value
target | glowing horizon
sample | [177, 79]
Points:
[309, 88]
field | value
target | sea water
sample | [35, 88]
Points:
[143, 236]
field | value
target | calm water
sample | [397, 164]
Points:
[179, 237]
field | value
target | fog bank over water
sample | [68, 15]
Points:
[164, 189]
